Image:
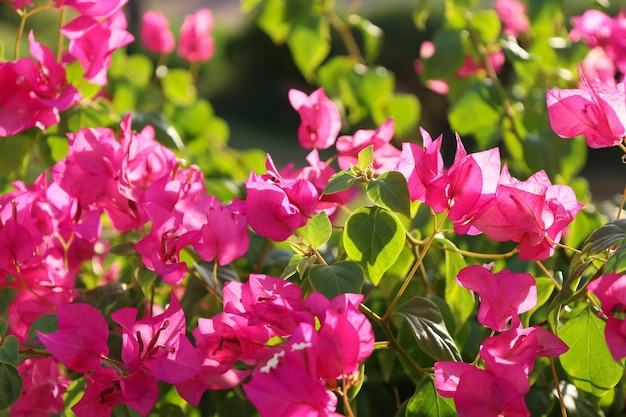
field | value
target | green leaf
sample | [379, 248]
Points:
[373, 237]
[487, 25]
[178, 87]
[340, 181]
[317, 230]
[405, 110]
[164, 132]
[476, 100]
[605, 237]
[4, 327]
[545, 288]
[588, 361]
[568, 289]
[47, 323]
[391, 191]
[429, 329]
[143, 276]
[365, 157]
[10, 385]
[338, 278]
[278, 17]
[58, 147]
[372, 36]
[375, 87]
[427, 403]
[106, 298]
[460, 300]
[616, 264]
[448, 56]
[9, 350]
[309, 43]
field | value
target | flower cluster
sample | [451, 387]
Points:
[292, 365]
[508, 357]
[596, 110]
[196, 43]
[604, 36]
[480, 198]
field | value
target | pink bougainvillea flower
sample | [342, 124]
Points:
[511, 354]
[278, 205]
[43, 389]
[320, 119]
[468, 185]
[593, 27]
[196, 43]
[318, 173]
[597, 64]
[611, 290]
[513, 16]
[224, 236]
[92, 42]
[481, 393]
[81, 340]
[346, 306]
[106, 389]
[288, 385]
[155, 33]
[477, 392]
[158, 343]
[385, 154]
[269, 301]
[596, 110]
[420, 165]
[503, 295]
[92, 8]
[33, 93]
[473, 65]
[533, 213]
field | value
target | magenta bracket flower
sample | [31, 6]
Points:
[81, 341]
[158, 343]
[503, 295]
[596, 110]
[320, 119]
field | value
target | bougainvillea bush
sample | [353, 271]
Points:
[147, 268]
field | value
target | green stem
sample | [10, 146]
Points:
[20, 31]
[415, 267]
[479, 254]
[62, 16]
[558, 388]
[346, 37]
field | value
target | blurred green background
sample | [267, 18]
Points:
[248, 78]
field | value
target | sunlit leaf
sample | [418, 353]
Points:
[341, 181]
[427, 403]
[317, 230]
[588, 361]
[405, 110]
[605, 237]
[391, 191]
[373, 237]
[309, 43]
